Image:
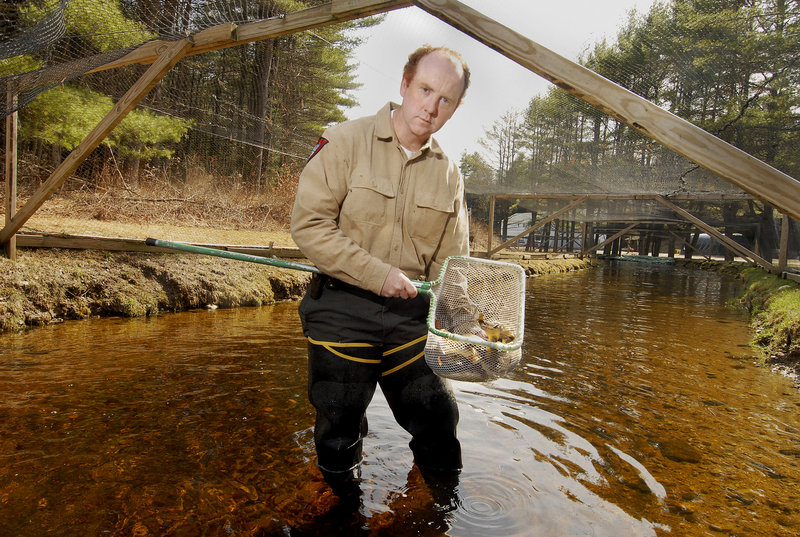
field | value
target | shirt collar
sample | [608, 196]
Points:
[385, 131]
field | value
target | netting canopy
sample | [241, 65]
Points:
[246, 109]
[257, 94]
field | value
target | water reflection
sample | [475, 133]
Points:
[637, 411]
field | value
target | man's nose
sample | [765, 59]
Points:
[432, 105]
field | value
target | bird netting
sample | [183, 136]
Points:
[242, 118]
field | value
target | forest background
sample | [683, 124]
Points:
[221, 139]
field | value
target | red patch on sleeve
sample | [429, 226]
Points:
[317, 148]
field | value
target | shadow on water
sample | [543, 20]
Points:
[637, 411]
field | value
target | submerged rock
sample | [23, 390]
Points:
[679, 451]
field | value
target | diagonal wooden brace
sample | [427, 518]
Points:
[538, 224]
[609, 239]
[171, 55]
[728, 242]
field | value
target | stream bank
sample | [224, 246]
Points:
[773, 304]
[45, 286]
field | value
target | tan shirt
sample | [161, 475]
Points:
[363, 206]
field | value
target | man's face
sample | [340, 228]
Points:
[430, 98]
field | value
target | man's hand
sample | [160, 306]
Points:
[398, 285]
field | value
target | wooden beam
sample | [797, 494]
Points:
[9, 245]
[609, 222]
[688, 245]
[81, 242]
[611, 238]
[686, 196]
[584, 242]
[538, 225]
[729, 243]
[170, 56]
[88, 242]
[229, 35]
[730, 163]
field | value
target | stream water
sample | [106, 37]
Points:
[637, 410]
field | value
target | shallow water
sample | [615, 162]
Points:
[637, 410]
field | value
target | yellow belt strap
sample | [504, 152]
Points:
[329, 346]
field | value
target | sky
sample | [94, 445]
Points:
[498, 85]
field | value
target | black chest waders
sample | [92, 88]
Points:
[358, 340]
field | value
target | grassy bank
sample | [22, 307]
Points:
[774, 307]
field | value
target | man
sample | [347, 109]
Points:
[379, 204]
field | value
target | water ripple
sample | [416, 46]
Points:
[494, 504]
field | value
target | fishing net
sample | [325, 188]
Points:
[476, 319]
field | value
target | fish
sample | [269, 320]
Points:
[473, 362]
[496, 333]
[460, 353]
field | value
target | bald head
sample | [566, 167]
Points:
[410, 68]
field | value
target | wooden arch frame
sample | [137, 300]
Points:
[732, 164]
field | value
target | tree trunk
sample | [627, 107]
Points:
[263, 72]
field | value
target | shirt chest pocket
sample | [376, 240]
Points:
[367, 200]
[429, 218]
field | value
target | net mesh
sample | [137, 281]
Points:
[215, 147]
[477, 325]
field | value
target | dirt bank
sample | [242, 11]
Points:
[47, 286]
[553, 266]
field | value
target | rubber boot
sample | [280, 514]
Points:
[346, 485]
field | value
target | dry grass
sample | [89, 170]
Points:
[201, 208]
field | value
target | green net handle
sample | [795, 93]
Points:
[422, 286]
[231, 255]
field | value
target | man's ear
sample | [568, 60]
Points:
[403, 87]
